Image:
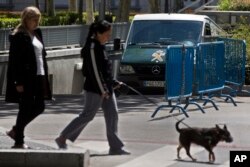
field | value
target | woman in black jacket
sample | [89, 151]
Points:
[27, 76]
[98, 88]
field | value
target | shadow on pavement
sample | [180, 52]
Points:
[64, 104]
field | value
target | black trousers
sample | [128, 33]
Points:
[29, 108]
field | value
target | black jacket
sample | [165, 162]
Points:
[22, 67]
[97, 68]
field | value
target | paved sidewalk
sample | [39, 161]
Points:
[40, 154]
[151, 141]
[7, 143]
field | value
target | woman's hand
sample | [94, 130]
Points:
[105, 95]
[118, 85]
[19, 88]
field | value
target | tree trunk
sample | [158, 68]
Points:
[102, 10]
[166, 7]
[37, 4]
[72, 5]
[50, 8]
[154, 6]
[123, 11]
[45, 6]
[89, 11]
[80, 10]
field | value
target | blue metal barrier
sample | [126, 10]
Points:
[178, 77]
[179, 74]
[235, 61]
[209, 71]
[209, 67]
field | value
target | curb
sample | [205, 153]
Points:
[40, 155]
[43, 158]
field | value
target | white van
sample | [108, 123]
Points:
[143, 62]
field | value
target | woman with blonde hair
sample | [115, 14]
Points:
[27, 76]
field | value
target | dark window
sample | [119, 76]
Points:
[207, 29]
[148, 31]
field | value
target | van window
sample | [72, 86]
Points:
[164, 31]
[216, 31]
[207, 30]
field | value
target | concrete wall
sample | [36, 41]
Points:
[65, 77]
[3, 70]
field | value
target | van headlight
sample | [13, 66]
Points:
[126, 69]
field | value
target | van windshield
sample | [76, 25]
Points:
[165, 32]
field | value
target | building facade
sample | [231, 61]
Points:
[137, 6]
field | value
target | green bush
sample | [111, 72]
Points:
[9, 22]
[225, 4]
[9, 14]
[241, 7]
[50, 21]
[233, 5]
[72, 17]
[241, 31]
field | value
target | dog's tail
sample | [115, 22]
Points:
[177, 125]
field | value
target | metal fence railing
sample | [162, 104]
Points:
[5, 1]
[195, 71]
[55, 36]
[178, 78]
[4, 39]
[209, 71]
[69, 35]
[235, 64]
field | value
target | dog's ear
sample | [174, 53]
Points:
[225, 127]
[217, 131]
[217, 126]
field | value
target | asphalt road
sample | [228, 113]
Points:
[152, 141]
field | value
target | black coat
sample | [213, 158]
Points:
[103, 66]
[22, 67]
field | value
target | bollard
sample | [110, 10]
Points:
[117, 43]
[116, 57]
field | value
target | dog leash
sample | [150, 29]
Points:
[139, 93]
[152, 102]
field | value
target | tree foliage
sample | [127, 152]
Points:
[234, 5]
[241, 31]
[50, 8]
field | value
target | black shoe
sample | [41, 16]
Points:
[118, 152]
[11, 134]
[60, 144]
[21, 146]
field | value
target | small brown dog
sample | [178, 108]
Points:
[206, 137]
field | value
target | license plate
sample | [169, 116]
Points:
[154, 83]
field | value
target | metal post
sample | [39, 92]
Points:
[117, 43]
[102, 10]
[116, 57]
[166, 6]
